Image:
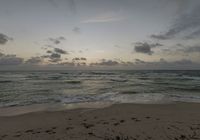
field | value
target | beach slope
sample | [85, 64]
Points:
[179, 121]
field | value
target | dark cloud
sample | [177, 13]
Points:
[105, 62]
[4, 39]
[45, 56]
[57, 41]
[55, 55]
[60, 51]
[34, 60]
[83, 63]
[49, 51]
[145, 48]
[84, 59]
[187, 22]
[76, 30]
[164, 63]
[138, 61]
[1, 54]
[79, 59]
[68, 64]
[76, 59]
[55, 60]
[10, 59]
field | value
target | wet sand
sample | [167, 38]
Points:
[179, 121]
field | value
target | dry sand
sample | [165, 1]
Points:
[179, 121]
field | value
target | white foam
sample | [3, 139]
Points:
[141, 98]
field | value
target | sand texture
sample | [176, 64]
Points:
[180, 121]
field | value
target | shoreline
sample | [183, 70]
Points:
[119, 121]
[23, 110]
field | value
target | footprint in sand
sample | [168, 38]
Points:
[16, 135]
[135, 119]
[3, 136]
[29, 131]
[116, 124]
[87, 125]
[51, 131]
[69, 128]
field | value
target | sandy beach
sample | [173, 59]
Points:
[179, 121]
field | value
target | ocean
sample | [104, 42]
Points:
[25, 88]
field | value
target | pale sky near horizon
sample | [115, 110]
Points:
[100, 32]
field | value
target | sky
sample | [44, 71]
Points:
[99, 34]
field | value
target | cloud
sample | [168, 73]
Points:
[84, 59]
[188, 24]
[145, 47]
[49, 51]
[104, 62]
[105, 17]
[180, 49]
[4, 39]
[102, 19]
[60, 51]
[57, 41]
[72, 6]
[76, 59]
[76, 30]
[117, 46]
[55, 60]
[190, 49]
[161, 36]
[53, 57]
[79, 59]
[1, 54]
[193, 35]
[164, 64]
[67, 64]
[10, 59]
[34, 60]
[138, 61]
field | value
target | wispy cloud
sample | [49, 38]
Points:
[106, 17]
[185, 23]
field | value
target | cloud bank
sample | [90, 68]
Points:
[145, 48]
[4, 39]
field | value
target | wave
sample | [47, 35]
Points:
[119, 80]
[128, 92]
[6, 81]
[73, 81]
[103, 73]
